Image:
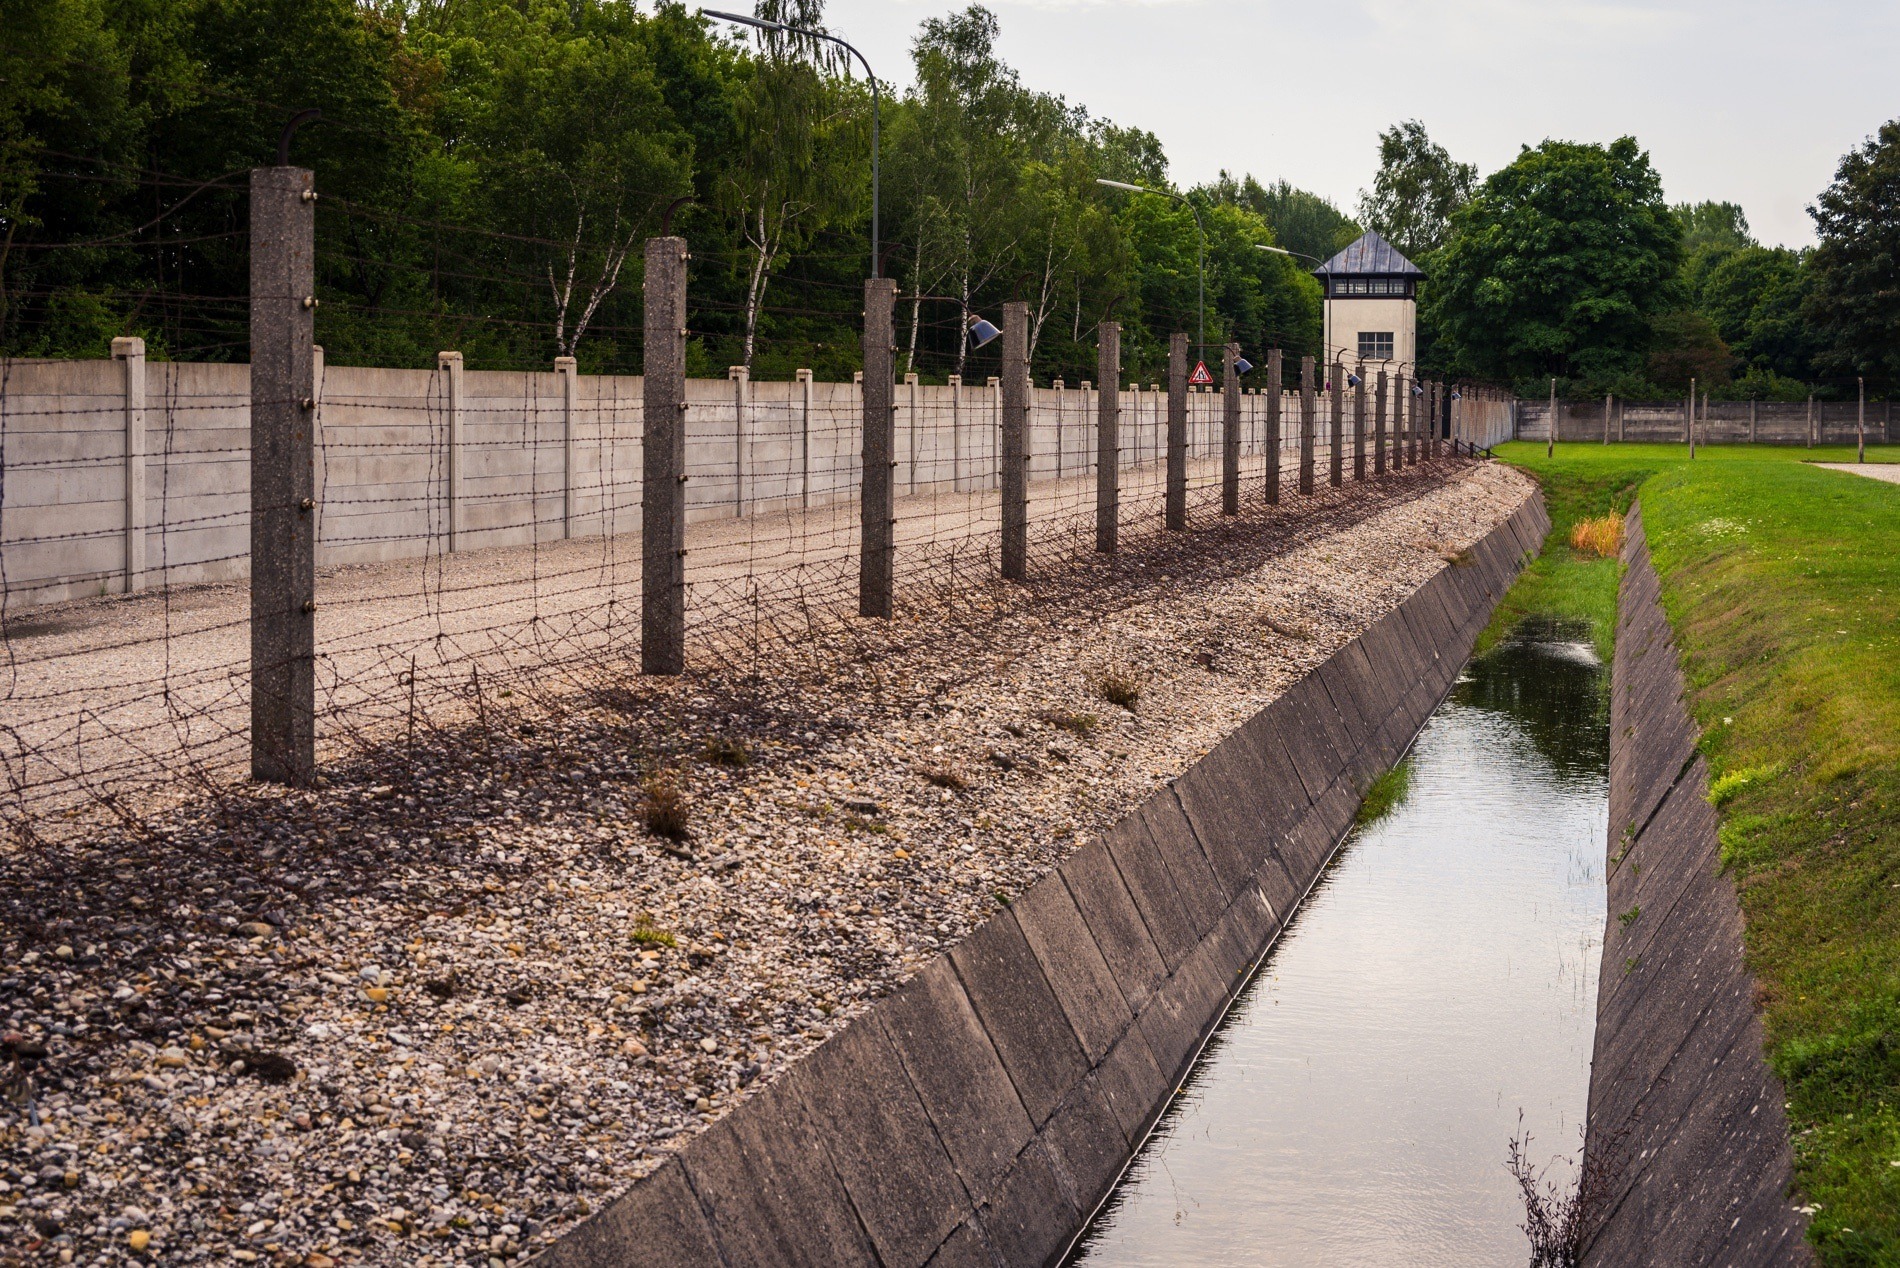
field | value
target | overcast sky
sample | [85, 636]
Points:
[1734, 99]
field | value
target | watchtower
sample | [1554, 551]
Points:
[1371, 297]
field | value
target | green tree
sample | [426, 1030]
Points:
[1300, 221]
[1418, 189]
[1855, 302]
[1754, 298]
[1558, 266]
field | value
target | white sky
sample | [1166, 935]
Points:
[1743, 100]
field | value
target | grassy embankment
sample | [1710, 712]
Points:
[1782, 584]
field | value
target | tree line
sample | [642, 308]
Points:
[488, 171]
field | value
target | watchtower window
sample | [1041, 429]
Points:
[1375, 345]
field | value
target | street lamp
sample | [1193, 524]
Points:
[877, 268]
[1200, 260]
[1326, 312]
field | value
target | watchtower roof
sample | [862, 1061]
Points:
[1369, 256]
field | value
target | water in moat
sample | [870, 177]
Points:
[1358, 1104]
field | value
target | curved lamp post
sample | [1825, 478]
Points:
[877, 263]
[1200, 259]
[1326, 312]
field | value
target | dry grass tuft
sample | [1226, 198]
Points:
[664, 806]
[1602, 536]
[944, 777]
[1120, 686]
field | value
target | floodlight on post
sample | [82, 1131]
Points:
[1200, 259]
[981, 332]
[1242, 365]
[763, 24]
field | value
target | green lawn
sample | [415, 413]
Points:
[1782, 582]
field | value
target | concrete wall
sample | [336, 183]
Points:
[1684, 1112]
[979, 1114]
[530, 470]
[1719, 423]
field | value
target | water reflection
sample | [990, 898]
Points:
[1356, 1107]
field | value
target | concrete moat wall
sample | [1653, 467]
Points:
[977, 1115]
[1685, 1116]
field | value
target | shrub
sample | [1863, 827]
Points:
[1081, 725]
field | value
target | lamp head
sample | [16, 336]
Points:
[981, 332]
[1133, 189]
[1352, 380]
[1242, 365]
[746, 20]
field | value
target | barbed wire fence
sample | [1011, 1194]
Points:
[287, 568]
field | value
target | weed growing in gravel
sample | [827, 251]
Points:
[1120, 686]
[1081, 725]
[944, 777]
[1285, 628]
[648, 934]
[724, 750]
[664, 806]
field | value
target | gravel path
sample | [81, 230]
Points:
[1888, 471]
[447, 1006]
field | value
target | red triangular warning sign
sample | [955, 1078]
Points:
[1200, 377]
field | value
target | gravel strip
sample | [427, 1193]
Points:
[445, 1007]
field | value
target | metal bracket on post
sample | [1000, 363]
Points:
[283, 519]
[878, 550]
[1013, 447]
[1108, 423]
[1230, 430]
[1176, 505]
[663, 470]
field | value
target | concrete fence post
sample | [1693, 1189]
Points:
[1860, 422]
[1336, 425]
[564, 369]
[877, 508]
[910, 428]
[1012, 475]
[1230, 430]
[1378, 425]
[803, 378]
[283, 494]
[955, 382]
[1441, 407]
[1606, 418]
[1108, 438]
[1276, 372]
[1359, 426]
[1307, 425]
[1550, 442]
[1692, 410]
[1399, 398]
[129, 352]
[1808, 420]
[741, 379]
[1175, 509]
[1751, 421]
[663, 476]
[450, 366]
[1061, 390]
